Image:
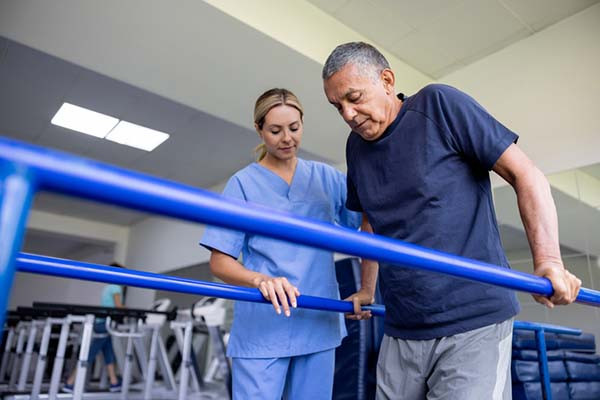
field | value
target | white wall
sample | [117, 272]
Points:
[31, 287]
[160, 244]
[28, 288]
[547, 89]
[79, 227]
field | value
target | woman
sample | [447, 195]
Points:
[275, 354]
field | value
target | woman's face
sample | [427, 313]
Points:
[282, 132]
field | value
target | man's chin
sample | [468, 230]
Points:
[368, 135]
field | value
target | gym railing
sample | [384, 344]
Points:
[26, 169]
[38, 264]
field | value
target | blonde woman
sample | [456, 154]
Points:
[286, 351]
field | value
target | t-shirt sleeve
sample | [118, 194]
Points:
[352, 200]
[344, 216]
[224, 240]
[114, 289]
[474, 132]
[108, 293]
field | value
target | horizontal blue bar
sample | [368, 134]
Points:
[93, 272]
[536, 326]
[68, 174]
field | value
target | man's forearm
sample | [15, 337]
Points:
[368, 276]
[538, 214]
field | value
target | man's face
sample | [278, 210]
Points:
[361, 99]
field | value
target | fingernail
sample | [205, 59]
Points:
[287, 313]
[294, 305]
[278, 311]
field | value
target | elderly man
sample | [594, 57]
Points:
[418, 169]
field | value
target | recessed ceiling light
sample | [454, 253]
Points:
[83, 120]
[137, 136]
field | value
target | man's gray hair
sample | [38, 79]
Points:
[361, 54]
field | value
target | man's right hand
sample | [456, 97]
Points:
[360, 298]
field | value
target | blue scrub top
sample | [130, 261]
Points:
[317, 191]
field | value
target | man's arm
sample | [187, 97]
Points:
[368, 278]
[538, 214]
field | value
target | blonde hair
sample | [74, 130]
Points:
[268, 100]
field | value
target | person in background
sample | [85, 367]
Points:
[286, 351]
[112, 296]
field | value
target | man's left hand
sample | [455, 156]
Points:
[566, 285]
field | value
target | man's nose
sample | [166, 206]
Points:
[348, 113]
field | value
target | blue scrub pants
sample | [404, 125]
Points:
[308, 376]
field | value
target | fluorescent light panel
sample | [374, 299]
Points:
[137, 136]
[83, 120]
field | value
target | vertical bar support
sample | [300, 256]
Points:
[543, 359]
[16, 194]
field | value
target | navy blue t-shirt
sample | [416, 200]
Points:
[426, 181]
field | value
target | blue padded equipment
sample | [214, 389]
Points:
[584, 390]
[532, 355]
[582, 357]
[578, 371]
[529, 371]
[583, 342]
[526, 340]
[533, 391]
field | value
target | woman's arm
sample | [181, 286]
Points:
[275, 289]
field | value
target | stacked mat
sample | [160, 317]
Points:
[573, 366]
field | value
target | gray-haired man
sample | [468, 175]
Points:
[418, 169]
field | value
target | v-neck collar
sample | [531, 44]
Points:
[279, 181]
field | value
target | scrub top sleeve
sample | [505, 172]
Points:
[224, 240]
[344, 216]
[475, 133]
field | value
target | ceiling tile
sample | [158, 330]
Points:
[157, 112]
[102, 94]
[373, 21]
[474, 25]
[464, 31]
[538, 14]
[416, 13]
[329, 6]
[421, 50]
[64, 139]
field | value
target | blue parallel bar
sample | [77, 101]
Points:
[536, 326]
[16, 194]
[68, 174]
[93, 272]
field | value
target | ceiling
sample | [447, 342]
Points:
[35, 85]
[440, 36]
[197, 75]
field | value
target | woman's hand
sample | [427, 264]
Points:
[279, 291]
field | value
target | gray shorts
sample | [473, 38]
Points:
[472, 365]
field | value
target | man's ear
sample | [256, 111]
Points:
[388, 79]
